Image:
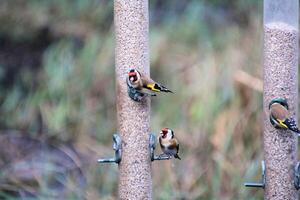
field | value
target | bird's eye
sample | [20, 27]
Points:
[132, 70]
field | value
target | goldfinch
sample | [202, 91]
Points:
[279, 117]
[143, 84]
[168, 143]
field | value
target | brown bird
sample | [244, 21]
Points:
[279, 116]
[168, 143]
[144, 84]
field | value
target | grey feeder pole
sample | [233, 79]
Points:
[131, 19]
[280, 82]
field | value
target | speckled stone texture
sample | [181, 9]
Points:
[280, 80]
[132, 51]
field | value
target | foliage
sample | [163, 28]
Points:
[57, 82]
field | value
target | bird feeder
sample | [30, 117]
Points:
[280, 81]
[132, 50]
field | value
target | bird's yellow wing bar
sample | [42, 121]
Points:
[153, 87]
[282, 123]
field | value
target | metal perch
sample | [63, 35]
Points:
[262, 183]
[117, 146]
[152, 145]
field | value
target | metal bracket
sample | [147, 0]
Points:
[297, 176]
[281, 101]
[152, 145]
[262, 183]
[117, 146]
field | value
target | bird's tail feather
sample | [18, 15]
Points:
[291, 124]
[165, 89]
[177, 156]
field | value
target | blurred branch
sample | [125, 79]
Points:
[248, 80]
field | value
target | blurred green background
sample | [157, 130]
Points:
[57, 98]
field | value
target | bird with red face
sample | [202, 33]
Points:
[168, 143]
[144, 84]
